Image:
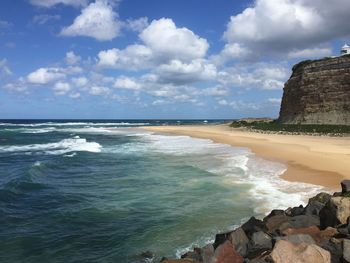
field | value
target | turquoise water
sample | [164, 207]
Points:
[106, 192]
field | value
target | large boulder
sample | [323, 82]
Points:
[240, 241]
[287, 252]
[320, 237]
[346, 251]
[304, 221]
[226, 253]
[335, 212]
[208, 254]
[185, 260]
[297, 239]
[253, 225]
[274, 223]
[259, 243]
[313, 208]
[345, 186]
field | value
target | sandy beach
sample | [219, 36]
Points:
[317, 160]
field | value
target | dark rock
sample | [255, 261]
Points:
[274, 223]
[313, 208]
[220, 239]
[208, 254]
[304, 221]
[298, 238]
[345, 186]
[321, 198]
[275, 212]
[196, 254]
[346, 250]
[253, 225]
[183, 260]
[335, 249]
[226, 253]
[240, 241]
[318, 92]
[259, 243]
[297, 211]
[335, 212]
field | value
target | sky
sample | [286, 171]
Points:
[159, 59]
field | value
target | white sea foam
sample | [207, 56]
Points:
[64, 146]
[238, 165]
[36, 164]
[59, 124]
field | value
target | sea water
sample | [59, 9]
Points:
[106, 191]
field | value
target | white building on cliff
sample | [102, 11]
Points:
[345, 50]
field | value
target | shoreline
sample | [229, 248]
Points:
[315, 160]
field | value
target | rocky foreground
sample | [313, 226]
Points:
[317, 233]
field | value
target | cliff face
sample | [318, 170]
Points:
[318, 92]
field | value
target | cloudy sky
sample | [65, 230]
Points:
[159, 58]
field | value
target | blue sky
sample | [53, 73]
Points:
[159, 58]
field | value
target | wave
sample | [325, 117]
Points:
[60, 124]
[75, 144]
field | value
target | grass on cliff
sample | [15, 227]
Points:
[275, 126]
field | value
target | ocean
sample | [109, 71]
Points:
[106, 191]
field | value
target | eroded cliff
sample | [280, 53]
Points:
[318, 92]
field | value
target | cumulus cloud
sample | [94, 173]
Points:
[137, 25]
[265, 76]
[80, 81]
[43, 76]
[287, 27]
[98, 20]
[72, 58]
[99, 90]
[61, 88]
[127, 83]
[167, 40]
[51, 3]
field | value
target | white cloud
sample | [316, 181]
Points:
[265, 76]
[61, 88]
[317, 52]
[75, 95]
[72, 58]
[169, 41]
[274, 100]
[215, 91]
[97, 20]
[288, 26]
[4, 68]
[179, 72]
[132, 57]
[80, 81]
[137, 25]
[51, 3]
[45, 18]
[127, 83]
[45, 75]
[99, 90]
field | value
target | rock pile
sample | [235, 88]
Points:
[317, 233]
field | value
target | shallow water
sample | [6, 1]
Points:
[105, 192]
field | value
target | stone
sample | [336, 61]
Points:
[313, 208]
[297, 211]
[318, 92]
[346, 250]
[240, 241]
[297, 239]
[196, 254]
[287, 252]
[335, 212]
[184, 260]
[147, 254]
[220, 239]
[274, 212]
[304, 221]
[320, 237]
[273, 223]
[259, 243]
[226, 253]
[335, 248]
[345, 186]
[208, 254]
[320, 197]
[253, 225]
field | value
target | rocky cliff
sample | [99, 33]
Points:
[318, 92]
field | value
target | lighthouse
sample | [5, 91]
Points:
[345, 50]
